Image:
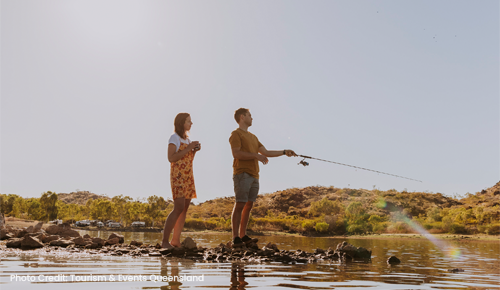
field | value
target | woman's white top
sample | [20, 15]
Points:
[177, 140]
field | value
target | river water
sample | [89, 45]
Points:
[423, 266]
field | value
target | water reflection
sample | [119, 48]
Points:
[238, 276]
[423, 266]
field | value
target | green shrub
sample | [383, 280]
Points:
[380, 227]
[356, 229]
[321, 227]
[456, 228]
[197, 224]
[399, 227]
[308, 225]
[493, 229]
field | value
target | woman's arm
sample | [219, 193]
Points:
[175, 156]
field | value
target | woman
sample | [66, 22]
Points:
[181, 152]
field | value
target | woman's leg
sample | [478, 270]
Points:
[176, 237]
[172, 220]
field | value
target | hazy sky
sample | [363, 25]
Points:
[90, 89]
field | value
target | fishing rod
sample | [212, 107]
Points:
[305, 163]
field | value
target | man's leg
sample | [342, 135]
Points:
[236, 217]
[245, 216]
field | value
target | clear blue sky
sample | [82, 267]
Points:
[90, 89]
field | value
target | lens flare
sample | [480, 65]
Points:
[381, 203]
[444, 246]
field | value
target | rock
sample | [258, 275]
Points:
[2, 220]
[30, 229]
[319, 251]
[63, 230]
[79, 241]
[100, 242]
[354, 252]
[272, 246]
[61, 243]
[21, 233]
[14, 243]
[188, 243]
[6, 234]
[393, 260]
[38, 227]
[112, 241]
[29, 242]
[87, 236]
[48, 239]
[456, 270]
[121, 239]
[136, 243]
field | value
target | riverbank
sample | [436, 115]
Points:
[21, 223]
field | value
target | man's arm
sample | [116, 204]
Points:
[276, 153]
[238, 154]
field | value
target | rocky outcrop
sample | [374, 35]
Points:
[348, 252]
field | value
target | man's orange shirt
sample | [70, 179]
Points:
[247, 142]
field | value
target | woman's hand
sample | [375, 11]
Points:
[193, 145]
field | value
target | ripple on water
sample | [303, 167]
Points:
[424, 267]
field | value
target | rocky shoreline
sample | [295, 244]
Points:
[63, 237]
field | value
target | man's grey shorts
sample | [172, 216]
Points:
[246, 187]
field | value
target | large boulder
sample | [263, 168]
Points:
[29, 242]
[345, 249]
[63, 230]
[121, 239]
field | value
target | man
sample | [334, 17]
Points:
[247, 152]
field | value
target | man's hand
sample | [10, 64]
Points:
[290, 153]
[262, 159]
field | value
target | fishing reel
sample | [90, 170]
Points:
[303, 162]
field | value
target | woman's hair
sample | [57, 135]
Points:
[179, 121]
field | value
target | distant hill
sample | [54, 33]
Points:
[79, 197]
[487, 197]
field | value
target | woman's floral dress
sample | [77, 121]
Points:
[181, 176]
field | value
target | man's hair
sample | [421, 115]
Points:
[238, 113]
[179, 121]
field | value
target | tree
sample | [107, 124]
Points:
[121, 202]
[48, 205]
[156, 205]
[102, 209]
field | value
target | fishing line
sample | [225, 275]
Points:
[305, 163]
